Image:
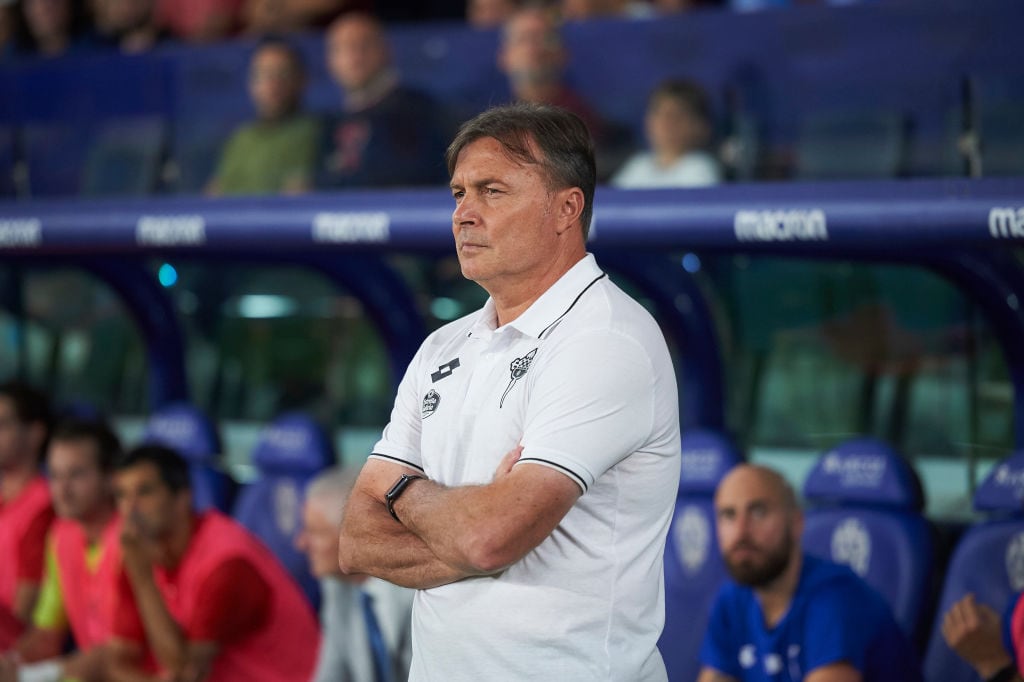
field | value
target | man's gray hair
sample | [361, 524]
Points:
[329, 490]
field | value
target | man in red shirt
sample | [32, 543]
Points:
[25, 511]
[199, 593]
[82, 559]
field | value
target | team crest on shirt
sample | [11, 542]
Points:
[430, 402]
[517, 368]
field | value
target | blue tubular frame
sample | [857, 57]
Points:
[682, 309]
[918, 222]
[995, 281]
[154, 312]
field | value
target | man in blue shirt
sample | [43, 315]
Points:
[786, 616]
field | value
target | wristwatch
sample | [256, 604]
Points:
[396, 490]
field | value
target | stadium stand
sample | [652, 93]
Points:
[290, 451]
[194, 436]
[988, 561]
[693, 564]
[864, 510]
[851, 145]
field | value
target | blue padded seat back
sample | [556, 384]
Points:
[693, 565]
[194, 436]
[988, 561]
[865, 504]
[289, 452]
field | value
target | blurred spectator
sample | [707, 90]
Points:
[534, 58]
[489, 13]
[129, 25]
[51, 27]
[199, 20]
[275, 16]
[581, 10]
[984, 638]
[275, 153]
[8, 24]
[678, 128]
[673, 6]
[25, 510]
[81, 559]
[346, 646]
[387, 134]
[786, 614]
[198, 591]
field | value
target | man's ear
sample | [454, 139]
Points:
[570, 208]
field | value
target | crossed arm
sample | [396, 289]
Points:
[450, 533]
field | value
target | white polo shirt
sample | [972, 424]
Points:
[584, 381]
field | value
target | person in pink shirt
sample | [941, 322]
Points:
[82, 561]
[198, 591]
[25, 510]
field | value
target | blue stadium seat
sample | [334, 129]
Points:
[8, 158]
[864, 510]
[191, 433]
[851, 145]
[693, 565]
[54, 152]
[988, 561]
[290, 451]
[124, 157]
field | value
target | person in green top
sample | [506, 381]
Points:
[274, 153]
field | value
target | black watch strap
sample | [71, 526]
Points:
[396, 491]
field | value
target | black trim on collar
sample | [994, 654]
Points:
[575, 300]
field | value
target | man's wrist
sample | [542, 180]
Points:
[396, 491]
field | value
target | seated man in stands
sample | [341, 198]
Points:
[199, 597]
[387, 134]
[82, 559]
[978, 634]
[352, 607]
[275, 153]
[533, 57]
[25, 510]
[678, 127]
[787, 616]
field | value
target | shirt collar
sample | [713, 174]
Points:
[551, 305]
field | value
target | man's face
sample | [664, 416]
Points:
[78, 487]
[145, 504]
[319, 540]
[504, 218]
[531, 49]
[672, 127]
[757, 530]
[275, 83]
[356, 52]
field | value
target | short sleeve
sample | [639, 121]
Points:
[835, 631]
[32, 547]
[234, 600]
[592, 404]
[718, 650]
[400, 441]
